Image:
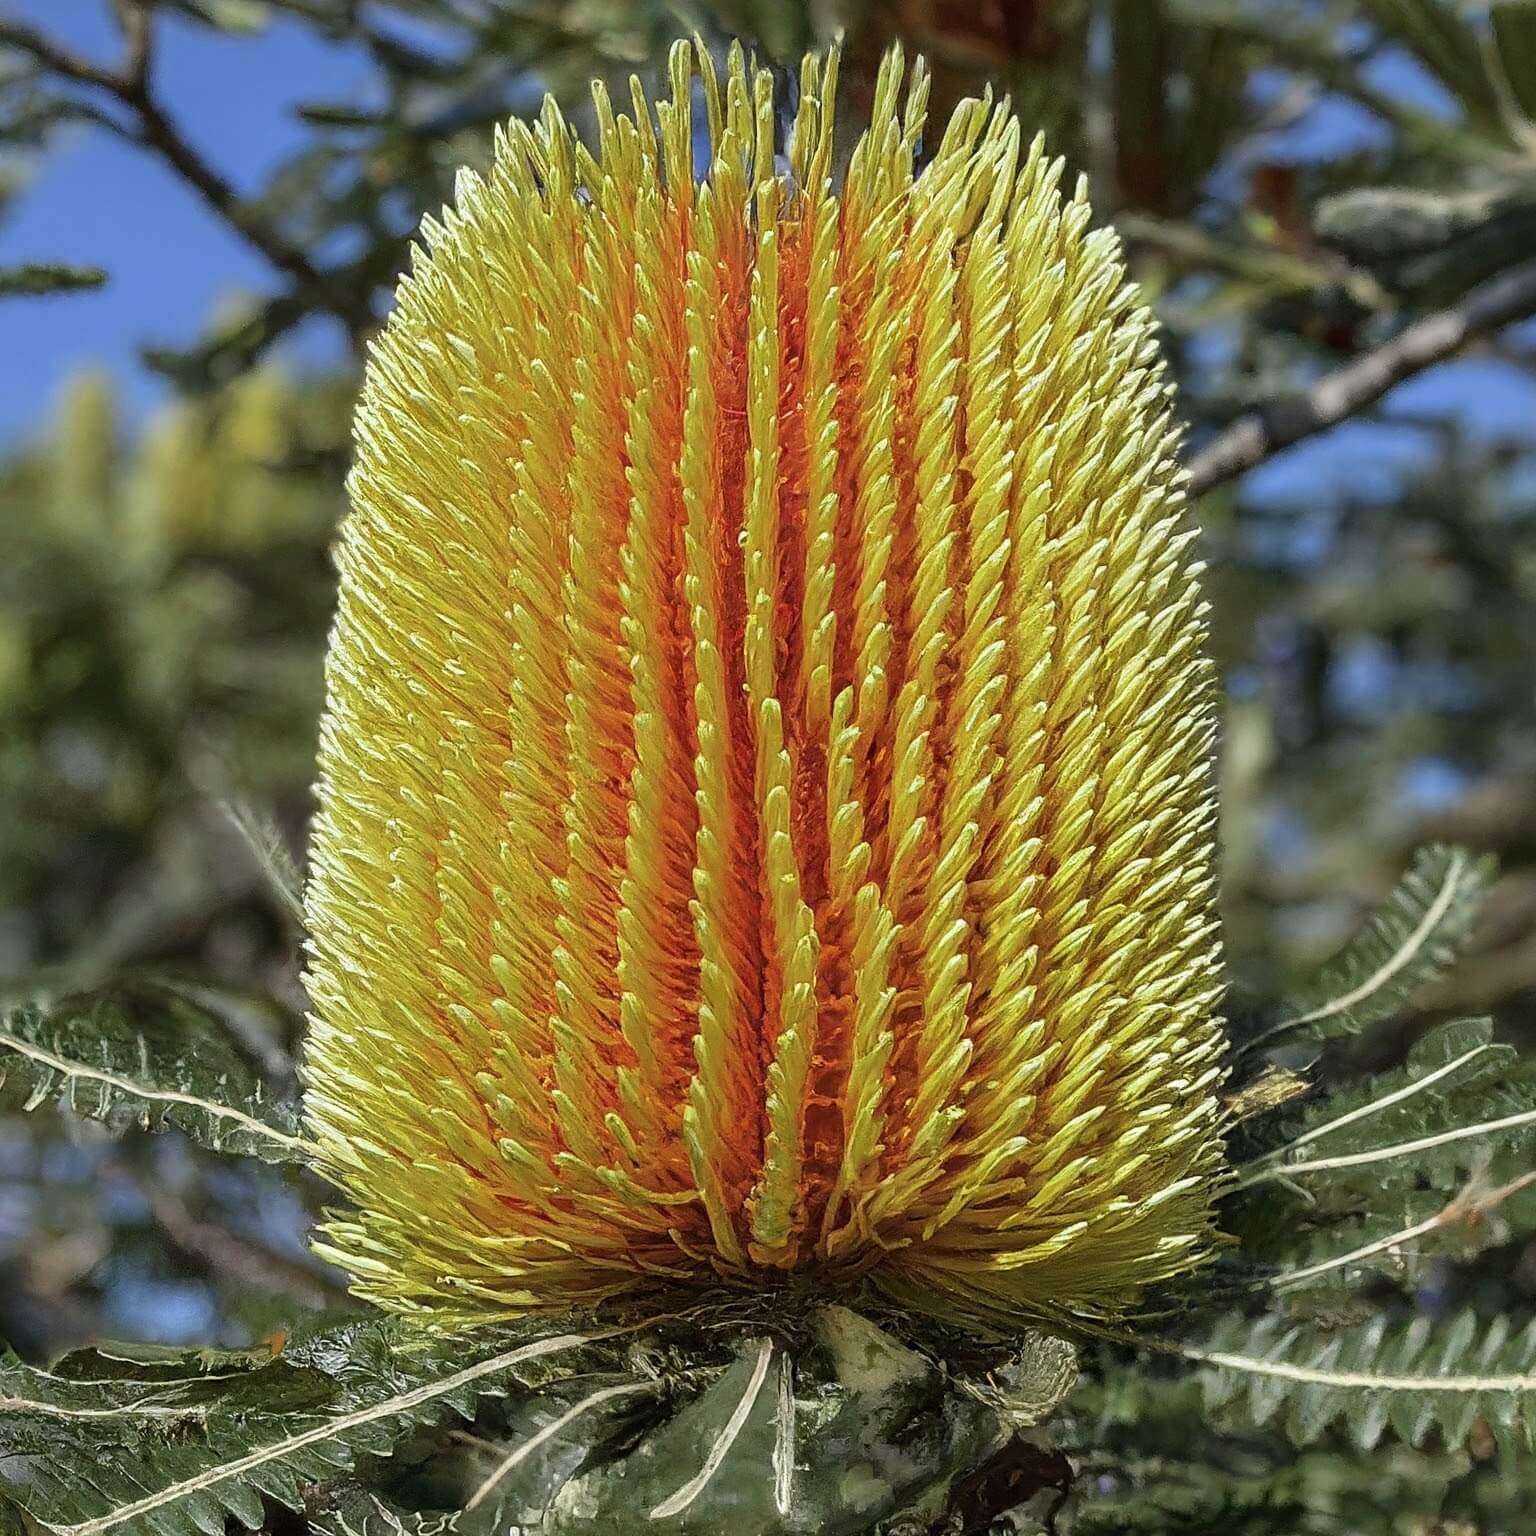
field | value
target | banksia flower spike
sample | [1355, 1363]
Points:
[765, 831]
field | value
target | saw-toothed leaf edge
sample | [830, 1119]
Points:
[144, 1055]
[1414, 1378]
[1399, 1234]
[177, 1454]
[1460, 1099]
[1412, 941]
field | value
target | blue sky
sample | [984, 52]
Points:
[96, 200]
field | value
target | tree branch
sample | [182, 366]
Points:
[1260, 434]
[130, 85]
[159, 133]
[52, 55]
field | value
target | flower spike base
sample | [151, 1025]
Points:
[765, 826]
[831, 1435]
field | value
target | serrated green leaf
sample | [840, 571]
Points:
[1173, 1467]
[1399, 1231]
[1429, 1122]
[1408, 945]
[551, 1437]
[123, 1405]
[354, 1511]
[177, 1454]
[144, 1055]
[604, 1433]
[714, 1455]
[1415, 1378]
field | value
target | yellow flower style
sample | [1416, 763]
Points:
[765, 829]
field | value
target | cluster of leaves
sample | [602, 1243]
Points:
[1358, 1200]
[164, 599]
[1338, 1195]
[177, 1442]
[598, 1429]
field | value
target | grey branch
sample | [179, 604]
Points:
[1261, 433]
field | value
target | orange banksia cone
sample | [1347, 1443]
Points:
[765, 828]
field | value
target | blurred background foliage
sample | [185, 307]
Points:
[1299, 186]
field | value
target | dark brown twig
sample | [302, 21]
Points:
[1260, 434]
[130, 85]
[52, 55]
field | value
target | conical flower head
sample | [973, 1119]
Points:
[765, 827]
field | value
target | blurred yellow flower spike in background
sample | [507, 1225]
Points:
[765, 826]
